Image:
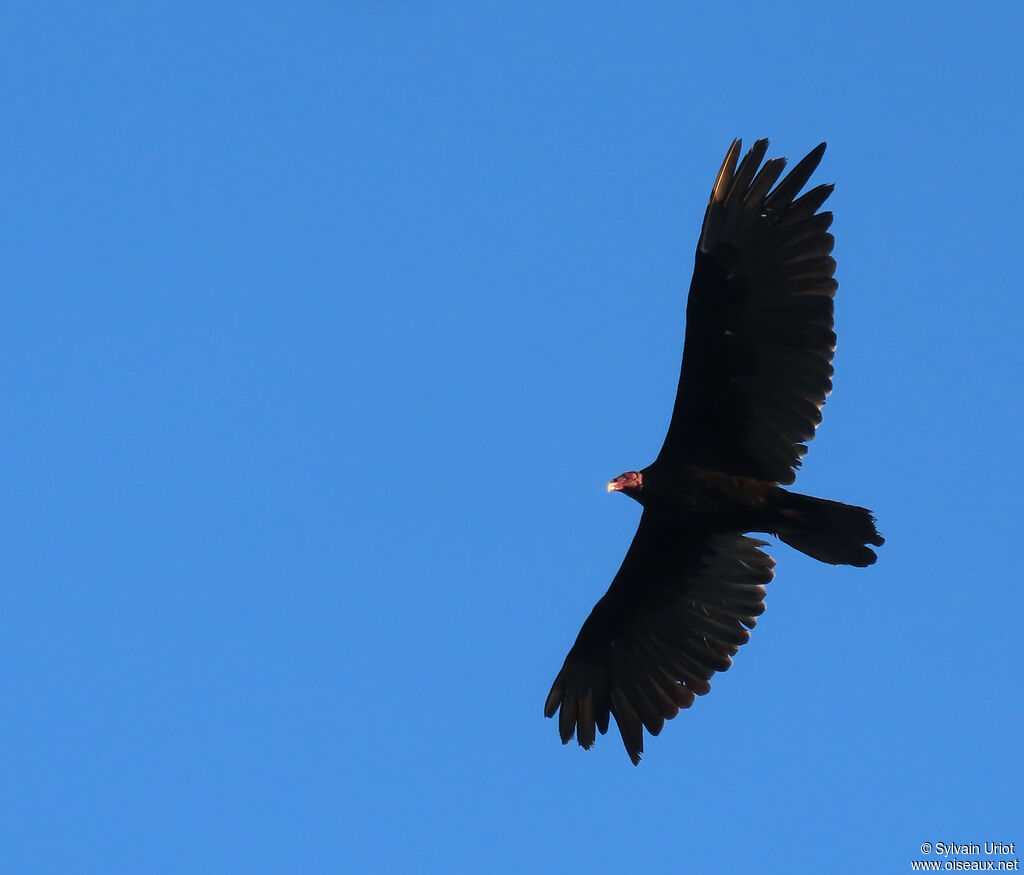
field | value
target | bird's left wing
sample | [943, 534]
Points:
[678, 609]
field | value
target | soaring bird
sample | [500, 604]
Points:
[757, 368]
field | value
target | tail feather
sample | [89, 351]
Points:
[829, 531]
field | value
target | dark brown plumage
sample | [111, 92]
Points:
[757, 367]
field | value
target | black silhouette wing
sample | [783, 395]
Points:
[757, 361]
[678, 609]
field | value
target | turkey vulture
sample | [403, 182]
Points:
[757, 367]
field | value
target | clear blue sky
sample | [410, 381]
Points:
[325, 324]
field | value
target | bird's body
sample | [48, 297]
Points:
[708, 498]
[756, 371]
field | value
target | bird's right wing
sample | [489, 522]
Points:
[680, 606]
[757, 362]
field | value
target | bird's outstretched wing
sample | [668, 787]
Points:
[678, 609]
[757, 362]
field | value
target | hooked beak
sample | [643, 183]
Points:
[629, 480]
